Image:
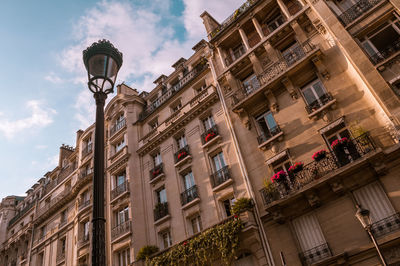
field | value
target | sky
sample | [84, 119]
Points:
[44, 97]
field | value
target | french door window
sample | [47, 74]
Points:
[181, 141]
[161, 196]
[219, 161]
[267, 126]
[188, 180]
[120, 179]
[208, 123]
[315, 95]
[157, 159]
[122, 216]
[251, 84]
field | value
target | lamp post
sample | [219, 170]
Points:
[102, 61]
[363, 215]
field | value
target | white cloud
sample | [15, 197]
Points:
[40, 147]
[85, 106]
[53, 78]
[40, 116]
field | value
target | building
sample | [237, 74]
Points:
[276, 83]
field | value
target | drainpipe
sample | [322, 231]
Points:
[243, 170]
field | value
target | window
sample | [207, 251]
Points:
[63, 216]
[196, 224]
[166, 239]
[227, 205]
[382, 42]
[267, 126]
[88, 144]
[122, 216]
[40, 259]
[123, 257]
[120, 179]
[63, 243]
[284, 166]
[153, 124]
[42, 231]
[311, 239]
[275, 22]
[87, 170]
[188, 180]
[85, 196]
[120, 145]
[86, 226]
[349, 152]
[218, 161]
[201, 88]
[176, 106]
[383, 216]
[315, 95]
[238, 51]
[181, 142]
[208, 123]
[161, 195]
[157, 159]
[250, 83]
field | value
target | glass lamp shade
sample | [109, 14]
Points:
[363, 215]
[102, 61]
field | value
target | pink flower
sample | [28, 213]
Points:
[278, 176]
[337, 142]
[295, 166]
[318, 154]
[209, 136]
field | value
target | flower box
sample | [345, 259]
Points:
[209, 136]
[297, 167]
[319, 155]
[182, 155]
[338, 143]
[279, 177]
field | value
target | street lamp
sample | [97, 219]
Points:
[102, 61]
[363, 215]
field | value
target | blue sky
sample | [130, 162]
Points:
[44, 99]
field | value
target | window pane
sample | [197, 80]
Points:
[309, 95]
[319, 89]
[189, 180]
[270, 120]
[385, 38]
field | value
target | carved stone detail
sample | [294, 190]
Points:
[313, 199]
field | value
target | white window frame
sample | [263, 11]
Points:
[218, 161]
[161, 195]
[188, 180]
[208, 122]
[196, 224]
[312, 89]
[181, 142]
[122, 215]
[166, 239]
[123, 257]
[157, 159]
[120, 145]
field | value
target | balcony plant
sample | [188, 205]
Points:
[241, 205]
[319, 155]
[156, 172]
[182, 155]
[209, 136]
[297, 167]
[146, 251]
[222, 239]
[339, 143]
[279, 177]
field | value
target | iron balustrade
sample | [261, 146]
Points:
[316, 254]
[314, 170]
[233, 17]
[356, 10]
[87, 149]
[161, 210]
[265, 136]
[320, 102]
[386, 225]
[220, 176]
[385, 53]
[209, 134]
[121, 229]
[182, 153]
[291, 56]
[117, 126]
[60, 256]
[118, 190]
[197, 70]
[251, 86]
[21, 213]
[188, 195]
[84, 204]
[156, 171]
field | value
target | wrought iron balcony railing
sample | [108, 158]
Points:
[87, 149]
[209, 134]
[385, 53]
[116, 127]
[160, 211]
[182, 153]
[317, 104]
[386, 225]
[265, 136]
[197, 70]
[316, 254]
[60, 256]
[357, 10]
[220, 176]
[354, 149]
[83, 204]
[118, 190]
[251, 86]
[121, 229]
[156, 171]
[189, 195]
[21, 213]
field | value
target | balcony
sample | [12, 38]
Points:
[181, 156]
[221, 176]
[189, 195]
[156, 173]
[319, 104]
[83, 241]
[386, 226]
[293, 7]
[160, 211]
[354, 150]
[235, 55]
[357, 10]
[267, 137]
[316, 254]
[54, 204]
[385, 53]
[209, 135]
[121, 229]
[87, 150]
[119, 190]
[60, 257]
[197, 70]
[21, 213]
[117, 126]
[83, 204]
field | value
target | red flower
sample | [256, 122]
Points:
[338, 142]
[182, 154]
[236, 216]
[278, 176]
[209, 136]
[184, 243]
[318, 154]
[295, 166]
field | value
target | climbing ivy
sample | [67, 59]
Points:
[222, 240]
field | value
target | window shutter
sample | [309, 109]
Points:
[308, 232]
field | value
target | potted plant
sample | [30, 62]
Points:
[297, 167]
[319, 155]
[279, 177]
[182, 155]
[209, 136]
[156, 172]
[339, 143]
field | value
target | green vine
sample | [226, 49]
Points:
[221, 240]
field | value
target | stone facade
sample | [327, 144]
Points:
[276, 82]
